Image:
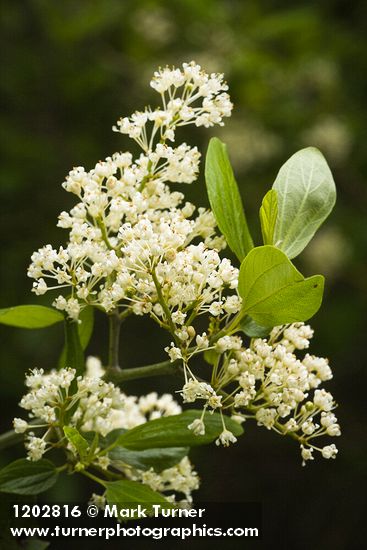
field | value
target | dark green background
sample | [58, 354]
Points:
[297, 76]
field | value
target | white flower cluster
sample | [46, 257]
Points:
[128, 222]
[269, 383]
[135, 246]
[100, 407]
[189, 96]
[180, 478]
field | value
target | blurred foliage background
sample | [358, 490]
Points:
[297, 77]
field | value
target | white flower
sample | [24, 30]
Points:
[238, 418]
[241, 399]
[307, 454]
[94, 367]
[197, 426]
[193, 390]
[173, 352]
[323, 400]
[36, 448]
[327, 419]
[333, 430]
[319, 366]
[266, 417]
[308, 427]
[225, 438]
[297, 336]
[181, 478]
[215, 401]
[215, 308]
[178, 317]
[228, 343]
[291, 425]
[40, 287]
[60, 303]
[233, 368]
[329, 451]
[182, 334]
[284, 410]
[98, 500]
[202, 341]
[35, 378]
[262, 348]
[20, 426]
[103, 462]
[232, 304]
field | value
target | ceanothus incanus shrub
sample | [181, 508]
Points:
[136, 247]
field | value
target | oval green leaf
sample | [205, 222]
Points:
[86, 325]
[127, 494]
[225, 199]
[74, 354]
[158, 459]
[172, 431]
[85, 330]
[252, 329]
[268, 216]
[274, 292]
[77, 440]
[30, 317]
[306, 195]
[24, 477]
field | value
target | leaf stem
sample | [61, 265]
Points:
[62, 468]
[102, 227]
[230, 328]
[92, 476]
[163, 303]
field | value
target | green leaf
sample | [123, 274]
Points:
[158, 459]
[103, 442]
[268, 216]
[77, 440]
[127, 494]
[24, 477]
[74, 356]
[306, 195]
[253, 329]
[274, 292]
[85, 329]
[225, 199]
[30, 316]
[172, 431]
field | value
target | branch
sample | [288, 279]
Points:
[157, 369]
